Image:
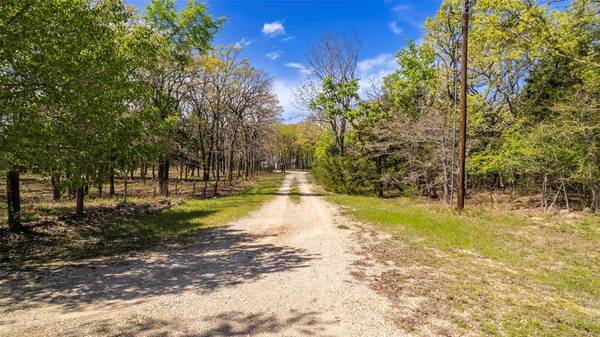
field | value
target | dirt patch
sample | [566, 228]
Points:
[415, 291]
[284, 270]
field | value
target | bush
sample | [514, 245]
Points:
[348, 174]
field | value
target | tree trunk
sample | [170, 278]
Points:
[144, 172]
[124, 188]
[55, 179]
[111, 187]
[217, 175]
[163, 176]
[13, 200]
[79, 196]
[230, 177]
[99, 190]
[379, 187]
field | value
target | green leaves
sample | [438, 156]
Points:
[412, 87]
[336, 99]
[186, 30]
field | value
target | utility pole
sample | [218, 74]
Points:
[462, 146]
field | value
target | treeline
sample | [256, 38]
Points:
[90, 90]
[293, 145]
[533, 107]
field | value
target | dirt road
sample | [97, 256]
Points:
[284, 270]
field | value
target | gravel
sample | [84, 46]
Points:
[284, 270]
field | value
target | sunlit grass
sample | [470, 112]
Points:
[196, 214]
[512, 275]
[107, 232]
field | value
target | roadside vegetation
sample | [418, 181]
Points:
[525, 262]
[110, 226]
[489, 272]
[93, 91]
[533, 107]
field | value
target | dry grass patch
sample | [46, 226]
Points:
[486, 272]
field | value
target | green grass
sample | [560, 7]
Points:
[106, 231]
[502, 273]
[197, 214]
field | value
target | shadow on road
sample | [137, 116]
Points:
[220, 257]
[228, 324]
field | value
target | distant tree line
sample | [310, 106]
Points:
[533, 117]
[90, 90]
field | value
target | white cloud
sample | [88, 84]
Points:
[272, 29]
[406, 14]
[402, 8]
[386, 61]
[243, 43]
[288, 38]
[301, 67]
[273, 55]
[371, 71]
[393, 26]
[284, 90]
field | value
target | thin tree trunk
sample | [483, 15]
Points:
[144, 172]
[124, 188]
[163, 176]
[564, 188]
[13, 200]
[55, 179]
[218, 175]
[230, 166]
[79, 193]
[111, 183]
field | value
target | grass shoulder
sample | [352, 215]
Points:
[503, 273]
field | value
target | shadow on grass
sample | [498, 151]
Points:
[103, 232]
[219, 257]
[57, 236]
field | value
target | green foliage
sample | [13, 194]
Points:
[186, 30]
[295, 143]
[533, 79]
[336, 103]
[410, 87]
[335, 98]
[87, 88]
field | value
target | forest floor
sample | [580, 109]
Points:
[290, 268]
[53, 236]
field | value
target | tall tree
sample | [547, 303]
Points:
[184, 33]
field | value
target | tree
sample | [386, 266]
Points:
[184, 33]
[335, 104]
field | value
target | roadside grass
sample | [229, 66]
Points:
[294, 193]
[500, 273]
[111, 228]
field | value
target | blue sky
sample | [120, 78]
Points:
[277, 34]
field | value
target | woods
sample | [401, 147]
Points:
[90, 91]
[533, 107]
[298, 168]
